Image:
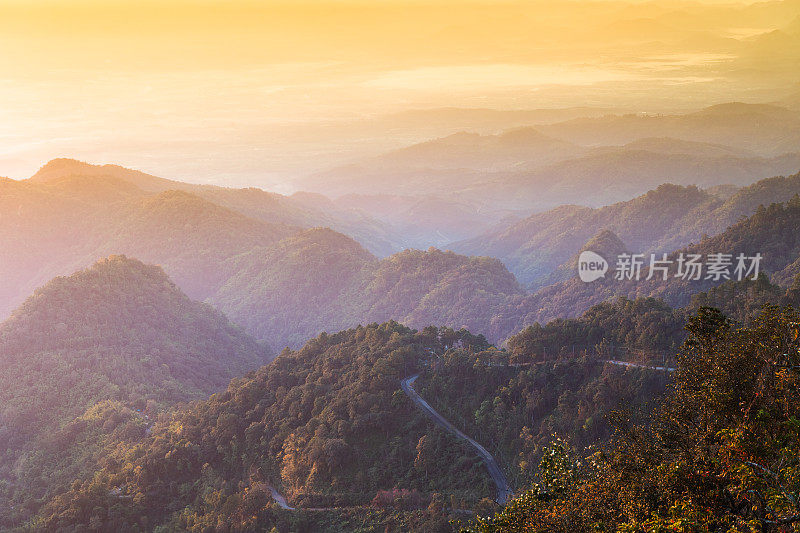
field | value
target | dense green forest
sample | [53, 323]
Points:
[328, 425]
[719, 454]
[120, 335]
[516, 410]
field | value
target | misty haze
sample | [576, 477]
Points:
[342, 266]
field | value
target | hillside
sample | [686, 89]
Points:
[189, 236]
[251, 202]
[327, 424]
[699, 459]
[662, 220]
[40, 232]
[295, 289]
[534, 247]
[330, 427]
[771, 231]
[65, 224]
[320, 280]
[120, 335]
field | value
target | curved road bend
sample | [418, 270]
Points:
[503, 490]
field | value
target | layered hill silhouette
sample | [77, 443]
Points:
[90, 354]
[253, 203]
[661, 220]
[434, 166]
[284, 284]
[57, 227]
[761, 128]
[323, 281]
[607, 176]
[599, 160]
[71, 213]
[320, 280]
[771, 231]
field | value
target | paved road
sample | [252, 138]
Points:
[503, 490]
[637, 365]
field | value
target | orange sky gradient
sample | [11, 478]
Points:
[246, 93]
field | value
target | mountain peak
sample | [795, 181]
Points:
[60, 167]
[606, 243]
[65, 167]
[114, 285]
[121, 305]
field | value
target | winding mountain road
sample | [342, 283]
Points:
[637, 365]
[504, 492]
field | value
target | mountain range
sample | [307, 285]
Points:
[599, 159]
[661, 220]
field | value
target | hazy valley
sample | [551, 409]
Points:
[398, 266]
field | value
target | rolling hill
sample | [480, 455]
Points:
[64, 224]
[89, 355]
[320, 280]
[251, 202]
[770, 231]
[662, 220]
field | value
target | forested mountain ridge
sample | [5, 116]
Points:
[719, 453]
[119, 333]
[188, 235]
[771, 231]
[327, 423]
[65, 224]
[665, 219]
[320, 280]
[254, 203]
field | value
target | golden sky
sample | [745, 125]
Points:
[215, 91]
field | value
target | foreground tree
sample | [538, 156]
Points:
[720, 454]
